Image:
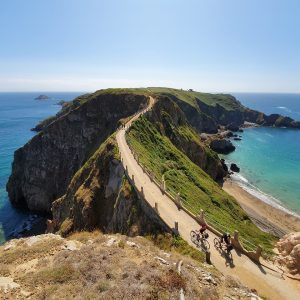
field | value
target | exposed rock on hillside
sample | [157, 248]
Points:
[222, 146]
[97, 266]
[43, 168]
[100, 197]
[289, 249]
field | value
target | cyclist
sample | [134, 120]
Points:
[203, 228]
[202, 232]
[226, 238]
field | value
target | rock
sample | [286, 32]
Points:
[163, 261]
[222, 146]
[233, 127]
[203, 136]
[42, 97]
[72, 245]
[7, 283]
[234, 168]
[111, 242]
[224, 165]
[237, 139]
[132, 244]
[289, 252]
[229, 134]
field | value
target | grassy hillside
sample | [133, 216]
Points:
[190, 97]
[195, 186]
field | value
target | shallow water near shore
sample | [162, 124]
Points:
[18, 114]
[269, 158]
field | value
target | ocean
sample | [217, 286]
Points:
[269, 158]
[19, 112]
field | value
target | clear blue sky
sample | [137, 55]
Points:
[212, 45]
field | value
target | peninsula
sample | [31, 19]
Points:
[90, 164]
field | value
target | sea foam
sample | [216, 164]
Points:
[256, 192]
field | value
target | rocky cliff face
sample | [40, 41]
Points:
[99, 196]
[206, 118]
[289, 252]
[43, 168]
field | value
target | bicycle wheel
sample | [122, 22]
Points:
[206, 244]
[216, 242]
[194, 237]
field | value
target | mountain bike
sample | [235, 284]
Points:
[223, 246]
[200, 239]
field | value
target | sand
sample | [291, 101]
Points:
[265, 216]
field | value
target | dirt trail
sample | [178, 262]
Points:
[268, 283]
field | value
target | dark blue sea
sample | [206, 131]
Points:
[19, 112]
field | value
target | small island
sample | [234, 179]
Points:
[42, 97]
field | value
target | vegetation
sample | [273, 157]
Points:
[57, 274]
[99, 263]
[196, 188]
[190, 97]
[170, 243]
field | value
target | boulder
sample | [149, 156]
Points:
[224, 165]
[222, 146]
[234, 167]
[289, 252]
[233, 127]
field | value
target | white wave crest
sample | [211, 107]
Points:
[256, 192]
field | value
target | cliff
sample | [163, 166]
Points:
[71, 171]
[99, 196]
[44, 167]
[97, 266]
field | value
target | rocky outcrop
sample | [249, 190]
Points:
[222, 146]
[100, 197]
[289, 252]
[233, 127]
[207, 118]
[234, 168]
[43, 168]
[42, 97]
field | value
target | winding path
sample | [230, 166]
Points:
[268, 283]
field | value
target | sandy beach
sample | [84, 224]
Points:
[265, 216]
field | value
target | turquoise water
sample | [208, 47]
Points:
[18, 113]
[270, 157]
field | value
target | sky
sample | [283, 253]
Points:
[207, 45]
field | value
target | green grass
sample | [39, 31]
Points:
[168, 242]
[196, 188]
[225, 100]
